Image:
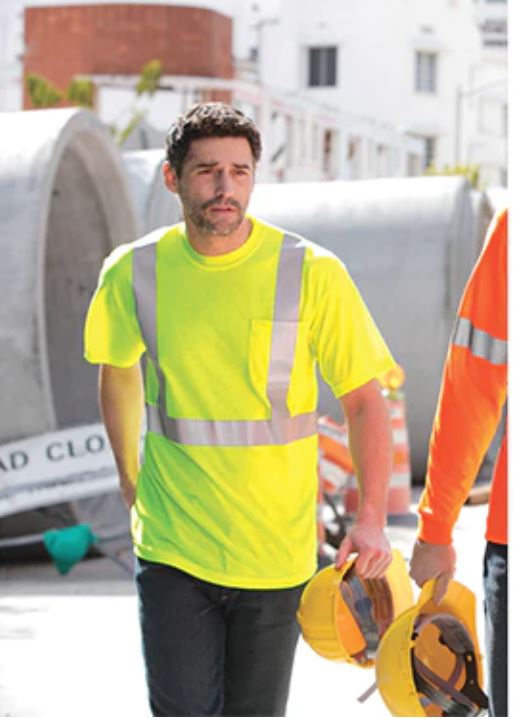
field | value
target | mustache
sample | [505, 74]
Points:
[218, 201]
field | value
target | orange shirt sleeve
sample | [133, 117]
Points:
[473, 390]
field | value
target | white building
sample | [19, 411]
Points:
[435, 69]
[483, 100]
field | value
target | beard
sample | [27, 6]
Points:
[196, 212]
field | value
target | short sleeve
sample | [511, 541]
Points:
[348, 346]
[111, 334]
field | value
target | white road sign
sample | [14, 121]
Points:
[56, 467]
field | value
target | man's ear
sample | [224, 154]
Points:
[170, 177]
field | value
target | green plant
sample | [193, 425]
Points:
[149, 78]
[147, 84]
[471, 172]
[122, 134]
[80, 92]
[42, 92]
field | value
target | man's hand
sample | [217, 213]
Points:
[372, 547]
[370, 440]
[127, 488]
[433, 561]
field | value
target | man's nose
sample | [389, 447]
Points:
[224, 183]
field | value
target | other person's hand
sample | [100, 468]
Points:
[433, 561]
[371, 546]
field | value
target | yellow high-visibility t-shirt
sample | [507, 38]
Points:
[236, 516]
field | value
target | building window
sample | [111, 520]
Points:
[327, 150]
[429, 151]
[327, 153]
[426, 70]
[322, 66]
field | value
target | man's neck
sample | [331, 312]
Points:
[211, 245]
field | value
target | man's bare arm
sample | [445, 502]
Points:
[121, 397]
[370, 439]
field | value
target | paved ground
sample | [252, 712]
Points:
[70, 645]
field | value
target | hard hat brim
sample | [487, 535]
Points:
[394, 671]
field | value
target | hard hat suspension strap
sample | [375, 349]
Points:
[371, 607]
[467, 701]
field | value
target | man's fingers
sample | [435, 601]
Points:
[345, 549]
[433, 561]
[417, 576]
[441, 586]
[373, 563]
[363, 562]
[372, 548]
[379, 565]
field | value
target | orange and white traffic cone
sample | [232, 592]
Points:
[399, 495]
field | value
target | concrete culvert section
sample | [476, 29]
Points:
[154, 204]
[409, 244]
[64, 204]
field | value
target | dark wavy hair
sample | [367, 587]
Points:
[209, 119]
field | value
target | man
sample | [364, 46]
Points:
[469, 409]
[233, 315]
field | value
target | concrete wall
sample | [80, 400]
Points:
[64, 204]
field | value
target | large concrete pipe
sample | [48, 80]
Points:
[498, 197]
[409, 245]
[154, 204]
[64, 203]
[483, 211]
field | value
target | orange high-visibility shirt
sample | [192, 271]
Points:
[471, 399]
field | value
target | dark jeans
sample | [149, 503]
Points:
[496, 626]
[215, 651]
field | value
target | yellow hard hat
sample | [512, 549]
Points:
[428, 661]
[343, 616]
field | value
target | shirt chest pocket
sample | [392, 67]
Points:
[292, 347]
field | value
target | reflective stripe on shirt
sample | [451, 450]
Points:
[281, 428]
[481, 344]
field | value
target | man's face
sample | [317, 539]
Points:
[216, 183]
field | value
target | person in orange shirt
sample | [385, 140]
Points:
[472, 397]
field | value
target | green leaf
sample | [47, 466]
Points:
[149, 78]
[80, 91]
[471, 172]
[122, 134]
[42, 92]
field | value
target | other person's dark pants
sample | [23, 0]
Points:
[496, 626]
[215, 651]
